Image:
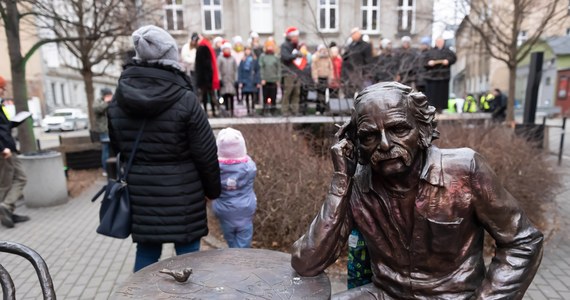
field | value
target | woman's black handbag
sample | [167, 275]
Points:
[115, 211]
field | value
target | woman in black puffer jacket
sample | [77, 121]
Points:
[176, 166]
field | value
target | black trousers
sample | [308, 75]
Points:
[269, 97]
[437, 92]
[249, 98]
[322, 85]
[229, 103]
[209, 96]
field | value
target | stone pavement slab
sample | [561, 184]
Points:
[82, 263]
[553, 278]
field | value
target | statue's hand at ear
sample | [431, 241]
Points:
[344, 157]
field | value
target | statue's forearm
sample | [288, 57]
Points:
[327, 235]
[513, 269]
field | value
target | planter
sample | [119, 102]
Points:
[46, 179]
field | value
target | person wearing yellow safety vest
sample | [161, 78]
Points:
[452, 105]
[470, 104]
[486, 102]
[12, 176]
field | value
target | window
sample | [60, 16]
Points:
[328, 15]
[522, 37]
[63, 93]
[53, 94]
[563, 88]
[261, 18]
[174, 15]
[406, 15]
[370, 16]
[212, 16]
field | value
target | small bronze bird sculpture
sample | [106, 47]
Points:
[179, 276]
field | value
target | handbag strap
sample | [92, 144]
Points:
[133, 153]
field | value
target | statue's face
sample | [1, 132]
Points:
[388, 134]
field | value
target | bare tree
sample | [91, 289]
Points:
[100, 28]
[498, 24]
[14, 14]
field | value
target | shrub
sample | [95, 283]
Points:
[525, 171]
[291, 183]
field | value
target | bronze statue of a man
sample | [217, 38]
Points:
[422, 211]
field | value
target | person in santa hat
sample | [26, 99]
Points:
[356, 62]
[291, 82]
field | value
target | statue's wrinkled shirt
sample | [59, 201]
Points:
[458, 198]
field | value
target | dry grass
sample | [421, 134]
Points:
[80, 180]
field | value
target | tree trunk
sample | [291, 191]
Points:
[87, 74]
[18, 71]
[511, 95]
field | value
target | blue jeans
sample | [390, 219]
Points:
[104, 139]
[148, 254]
[237, 237]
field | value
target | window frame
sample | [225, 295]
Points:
[212, 8]
[252, 3]
[522, 38]
[411, 13]
[327, 7]
[174, 7]
[369, 8]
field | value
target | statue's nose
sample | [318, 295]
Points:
[384, 143]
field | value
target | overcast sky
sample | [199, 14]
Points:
[446, 12]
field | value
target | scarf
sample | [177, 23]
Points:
[215, 77]
[247, 63]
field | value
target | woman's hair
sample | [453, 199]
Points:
[417, 102]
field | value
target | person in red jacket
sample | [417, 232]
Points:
[334, 86]
[207, 77]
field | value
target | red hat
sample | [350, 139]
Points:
[2, 82]
[291, 31]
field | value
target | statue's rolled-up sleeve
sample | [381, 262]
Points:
[518, 243]
[328, 233]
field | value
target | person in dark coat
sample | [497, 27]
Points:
[425, 46]
[355, 60]
[406, 56]
[500, 106]
[438, 63]
[12, 176]
[207, 77]
[176, 166]
[387, 64]
[249, 79]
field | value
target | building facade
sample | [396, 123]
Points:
[319, 21]
[475, 71]
[553, 88]
[64, 87]
[478, 72]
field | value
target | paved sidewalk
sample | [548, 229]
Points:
[553, 278]
[83, 264]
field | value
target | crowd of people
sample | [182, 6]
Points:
[227, 71]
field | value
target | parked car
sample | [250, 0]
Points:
[65, 119]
